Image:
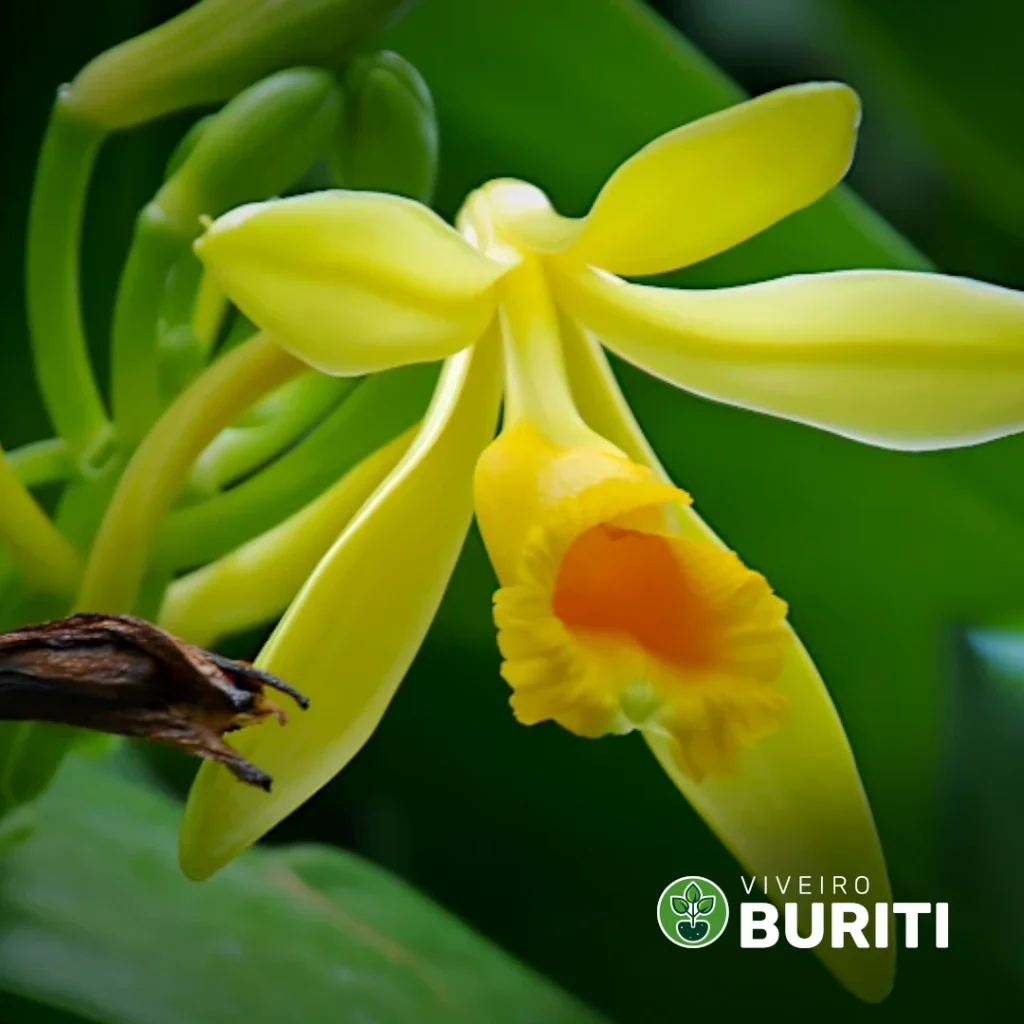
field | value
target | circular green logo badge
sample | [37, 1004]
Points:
[693, 912]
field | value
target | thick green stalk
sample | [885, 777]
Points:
[41, 462]
[380, 408]
[255, 583]
[37, 548]
[135, 356]
[157, 471]
[240, 450]
[54, 308]
[189, 325]
[208, 312]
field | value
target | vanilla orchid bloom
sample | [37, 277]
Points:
[619, 609]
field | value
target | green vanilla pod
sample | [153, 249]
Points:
[186, 144]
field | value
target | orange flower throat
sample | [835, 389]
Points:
[621, 582]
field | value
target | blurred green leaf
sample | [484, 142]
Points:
[377, 410]
[875, 551]
[983, 792]
[30, 754]
[96, 919]
[14, 1010]
[950, 64]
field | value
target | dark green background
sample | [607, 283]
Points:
[555, 847]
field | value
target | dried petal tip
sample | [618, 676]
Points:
[119, 674]
[247, 671]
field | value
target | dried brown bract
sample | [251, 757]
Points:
[119, 674]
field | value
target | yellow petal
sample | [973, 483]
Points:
[709, 185]
[351, 634]
[254, 584]
[901, 360]
[795, 805]
[353, 282]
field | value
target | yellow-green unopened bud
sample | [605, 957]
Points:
[216, 49]
[257, 146]
[390, 139]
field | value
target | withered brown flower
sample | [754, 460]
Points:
[119, 674]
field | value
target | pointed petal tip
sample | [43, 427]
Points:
[846, 92]
[195, 863]
[849, 99]
[840, 106]
[197, 860]
[194, 868]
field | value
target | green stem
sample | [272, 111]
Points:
[157, 471]
[290, 412]
[182, 355]
[37, 548]
[54, 306]
[208, 312]
[255, 583]
[41, 463]
[135, 356]
[12, 587]
[178, 303]
[380, 408]
[84, 501]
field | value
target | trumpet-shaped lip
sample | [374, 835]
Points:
[615, 622]
[618, 582]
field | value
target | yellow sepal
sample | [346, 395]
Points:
[352, 633]
[709, 185]
[897, 359]
[353, 282]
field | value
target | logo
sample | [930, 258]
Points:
[693, 912]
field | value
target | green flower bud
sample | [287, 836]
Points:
[260, 144]
[389, 141]
[216, 49]
[186, 144]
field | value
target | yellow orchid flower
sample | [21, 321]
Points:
[619, 609]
